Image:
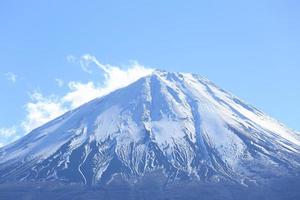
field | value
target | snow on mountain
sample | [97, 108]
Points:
[177, 123]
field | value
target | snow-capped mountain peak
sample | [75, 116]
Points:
[178, 123]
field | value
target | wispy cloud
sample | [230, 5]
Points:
[12, 77]
[87, 59]
[71, 58]
[59, 82]
[85, 62]
[8, 134]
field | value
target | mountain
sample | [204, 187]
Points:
[179, 127]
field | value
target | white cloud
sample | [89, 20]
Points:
[8, 135]
[8, 132]
[81, 93]
[115, 77]
[42, 109]
[11, 77]
[59, 82]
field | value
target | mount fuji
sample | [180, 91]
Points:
[171, 128]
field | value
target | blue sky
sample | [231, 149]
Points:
[250, 48]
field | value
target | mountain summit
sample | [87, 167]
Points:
[176, 126]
